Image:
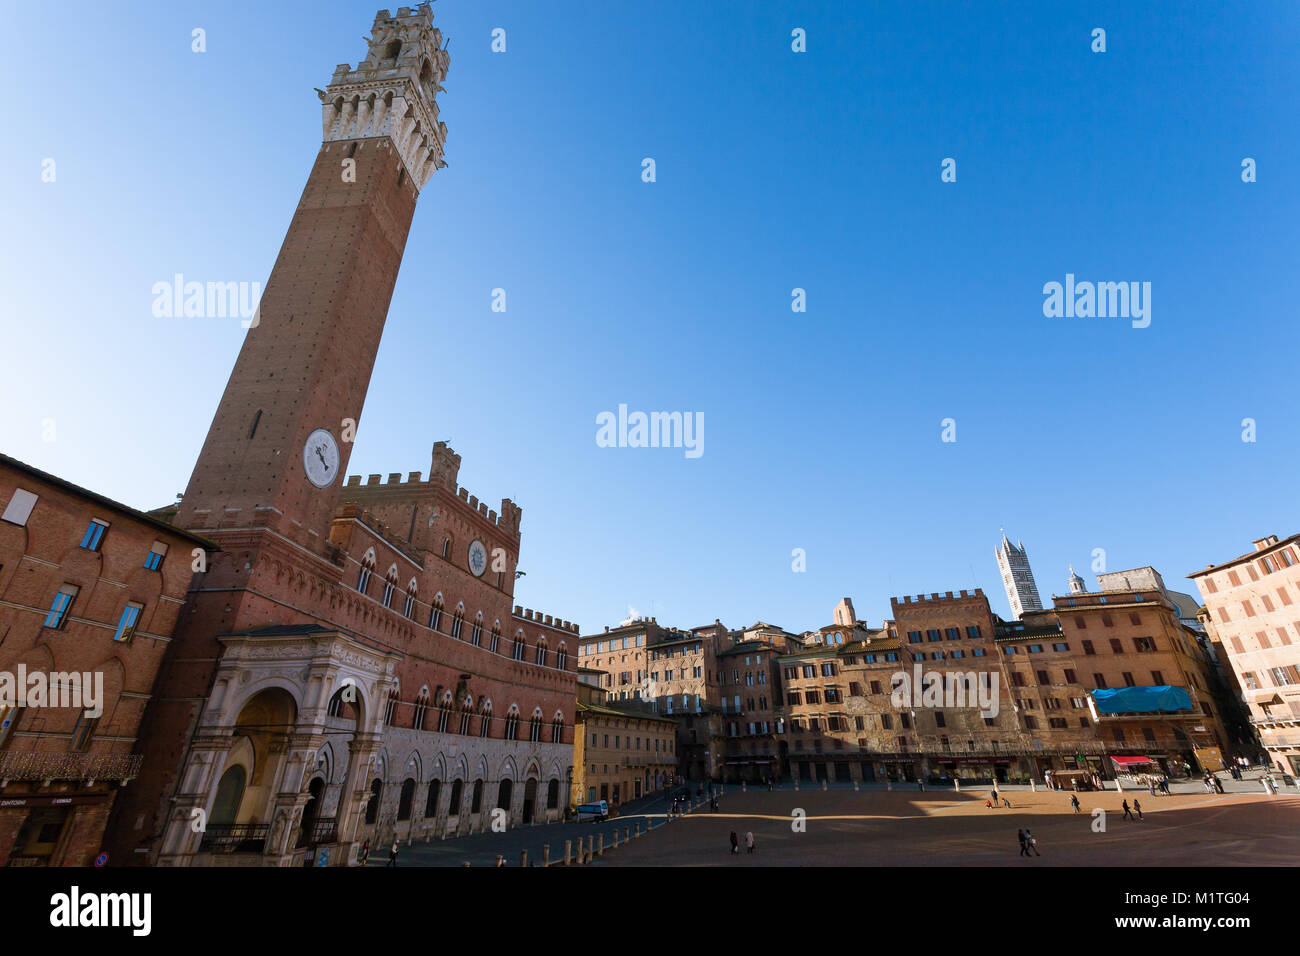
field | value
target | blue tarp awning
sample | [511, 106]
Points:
[1142, 700]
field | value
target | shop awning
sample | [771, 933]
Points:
[1131, 761]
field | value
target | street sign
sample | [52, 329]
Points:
[101, 860]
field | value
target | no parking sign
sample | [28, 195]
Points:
[102, 859]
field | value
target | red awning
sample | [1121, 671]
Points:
[1126, 761]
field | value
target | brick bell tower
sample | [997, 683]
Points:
[279, 443]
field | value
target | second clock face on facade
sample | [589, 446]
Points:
[477, 558]
[320, 458]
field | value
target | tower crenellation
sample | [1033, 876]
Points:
[393, 92]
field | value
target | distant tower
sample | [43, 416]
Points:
[1076, 583]
[1022, 593]
[844, 613]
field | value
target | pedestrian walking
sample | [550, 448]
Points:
[364, 854]
[735, 843]
[1137, 808]
[995, 796]
[1074, 801]
[1024, 844]
[1031, 842]
[749, 841]
[1128, 814]
[392, 856]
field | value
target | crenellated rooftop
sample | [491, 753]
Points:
[946, 596]
[546, 620]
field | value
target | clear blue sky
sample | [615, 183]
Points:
[775, 170]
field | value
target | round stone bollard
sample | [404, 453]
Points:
[523, 857]
[823, 784]
[855, 786]
[568, 851]
[615, 838]
[546, 854]
[600, 845]
[956, 785]
[627, 835]
[638, 829]
[1033, 785]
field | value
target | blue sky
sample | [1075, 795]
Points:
[775, 170]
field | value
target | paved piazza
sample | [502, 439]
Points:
[913, 828]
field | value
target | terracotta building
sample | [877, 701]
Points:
[1134, 642]
[90, 591]
[620, 752]
[1253, 601]
[752, 710]
[350, 667]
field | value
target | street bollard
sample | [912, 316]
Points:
[823, 784]
[889, 784]
[591, 842]
[742, 787]
[627, 834]
[523, 857]
[568, 851]
[796, 783]
[638, 830]
[615, 838]
[600, 846]
[956, 785]
[855, 786]
[546, 854]
[1033, 785]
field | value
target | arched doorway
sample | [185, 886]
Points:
[553, 795]
[405, 800]
[230, 794]
[503, 796]
[530, 798]
[372, 805]
[310, 813]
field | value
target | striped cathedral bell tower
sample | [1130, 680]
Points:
[281, 437]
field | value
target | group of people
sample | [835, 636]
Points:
[1212, 783]
[749, 842]
[1156, 785]
[1027, 842]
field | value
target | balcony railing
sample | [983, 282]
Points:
[235, 838]
[38, 765]
[324, 831]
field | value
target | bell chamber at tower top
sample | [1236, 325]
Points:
[394, 91]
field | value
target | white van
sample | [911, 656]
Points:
[598, 810]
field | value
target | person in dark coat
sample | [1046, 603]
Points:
[735, 842]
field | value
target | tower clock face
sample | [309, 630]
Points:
[477, 558]
[320, 458]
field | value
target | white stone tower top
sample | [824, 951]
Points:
[1076, 583]
[394, 91]
[1017, 578]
